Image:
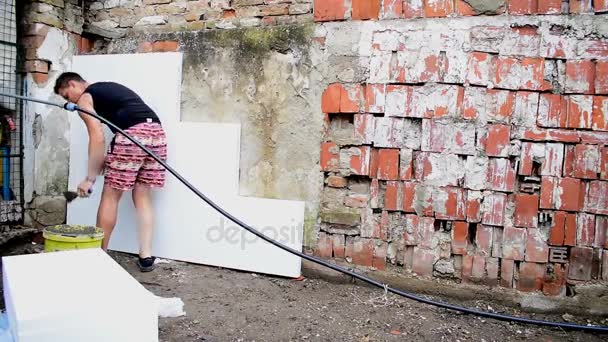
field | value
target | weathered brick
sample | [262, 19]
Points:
[426, 231]
[363, 252]
[338, 243]
[537, 249]
[531, 276]
[554, 283]
[478, 269]
[497, 242]
[550, 7]
[399, 196]
[464, 9]
[365, 9]
[364, 128]
[500, 105]
[523, 7]
[460, 240]
[493, 209]
[599, 117]
[601, 77]
[581, 259]
[474, 103]
[328, 10]
[526, 211]
[570, 230]
[419, 66]
[585, 235]
[411, 236]
[498, 140]
[580, 77]
[413, 9]
[526, 73]
[514, 243]
[553, 161]
[483, 240]
[388, 164]
[581, 6]
[355, 160]
[336, 181]
[557, 232]
[605, 265]
[398, 100]
[467, 268]
[473, 206]
[604, 163]
[561, 193]
[600, 6]
[586, 161]
[342, 216]
[552, 111]
[392, 9]
[449, 203]
[580, 109]
[456, 138]
[330, 100]
[521, 40]
[397, 133]
[351, 98]
[526, 108]
[500, 175]
[324, 246]
[438, 8]
[423, 262]
[530, 153]
[375, 98]
[507, 268]
[406, 164]
[593, 137]
[438, 169]
[559, 135]
[492, 267]
[479, 67]
[330, 157]
[379, 257]
[356, 200]
[592, 48]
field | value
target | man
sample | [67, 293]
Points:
[126, 166]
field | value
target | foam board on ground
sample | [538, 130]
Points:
[207, 155]
[79, 295]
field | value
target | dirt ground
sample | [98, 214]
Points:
[228, 305]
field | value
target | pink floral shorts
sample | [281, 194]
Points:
[127, 164]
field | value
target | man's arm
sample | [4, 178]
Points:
[96, 137]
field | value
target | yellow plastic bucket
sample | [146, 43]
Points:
[67, 237]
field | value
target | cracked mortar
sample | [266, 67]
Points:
[486, 6]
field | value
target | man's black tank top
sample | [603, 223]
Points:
[119, 105]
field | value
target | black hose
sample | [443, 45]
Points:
[73, 107]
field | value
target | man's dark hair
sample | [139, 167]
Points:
[63, 79]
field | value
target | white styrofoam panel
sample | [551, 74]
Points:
[207, 155]
[85, 296]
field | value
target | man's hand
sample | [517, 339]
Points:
[84, 188]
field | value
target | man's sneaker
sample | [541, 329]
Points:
[146, 264]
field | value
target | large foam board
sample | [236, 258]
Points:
[74, 296]
[207, 155]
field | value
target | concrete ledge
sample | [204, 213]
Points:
[589, 299]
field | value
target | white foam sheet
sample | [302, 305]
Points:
[74, 296]
[207, 155]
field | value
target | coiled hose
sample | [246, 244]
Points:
[73, 107]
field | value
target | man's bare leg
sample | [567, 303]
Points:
[107, 213]
[145, 218]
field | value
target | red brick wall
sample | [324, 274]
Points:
[485, 161]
